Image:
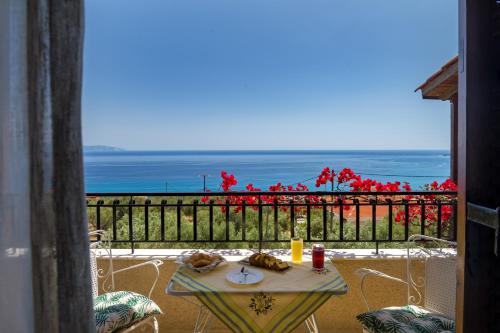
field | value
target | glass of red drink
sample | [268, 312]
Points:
[318, 256]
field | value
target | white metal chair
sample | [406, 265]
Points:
[102, 248]
[438, 283]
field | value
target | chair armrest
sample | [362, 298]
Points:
[363, 273]
[154, 263]
[416, 238]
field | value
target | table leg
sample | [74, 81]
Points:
[311, 325]
[203, 321]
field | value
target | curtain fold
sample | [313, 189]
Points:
[60, 252]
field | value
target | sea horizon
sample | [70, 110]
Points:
[183, 170]
[121, 149]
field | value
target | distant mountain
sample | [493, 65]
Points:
[89, 149]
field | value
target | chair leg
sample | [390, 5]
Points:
[156, 327]
[311, 325]
[203, 320]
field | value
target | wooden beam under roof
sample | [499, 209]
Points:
[443, 84]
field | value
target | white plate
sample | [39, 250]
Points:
[252, 277]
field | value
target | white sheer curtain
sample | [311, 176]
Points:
[44, 256]
[16, 305]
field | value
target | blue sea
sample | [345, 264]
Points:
[177, 171]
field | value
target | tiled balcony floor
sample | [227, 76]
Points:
[336, 315]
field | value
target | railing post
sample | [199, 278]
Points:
[422, 217]
[228, 208]
[439, 218]
[276, 224]
[407, 219]
[374, 220]
[115, 203]
[130, 224]
[325, 220]
[179, 219]
[341, 219]
[260, 225]
[162, 219]
[98, 216]
[195, 220]
[356, 203]
[244, 220]
[211, 220]
[389, 208]
[147, 202]
[292, 219]
[308, 220]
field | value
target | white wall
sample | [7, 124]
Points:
[16, 308]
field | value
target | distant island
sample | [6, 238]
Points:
[99, 148]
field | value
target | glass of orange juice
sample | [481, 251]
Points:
[297, 245]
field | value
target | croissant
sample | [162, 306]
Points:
[268, 261]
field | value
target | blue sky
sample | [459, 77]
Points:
[265, 74]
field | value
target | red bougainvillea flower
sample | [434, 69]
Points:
[301, 188]
[363, 185]
[349, 181]
[448, 185]
[430, 211]
[206, 198]
[345, 175]
[325, 176]
[250, 188]
[228, 181]
[390, 187]
[434, 185]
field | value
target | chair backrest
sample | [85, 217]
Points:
[439, 282]
[100, 242]
[94, 272]
[441, 285]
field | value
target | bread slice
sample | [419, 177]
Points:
[267, 261]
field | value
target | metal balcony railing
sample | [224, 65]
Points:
[272, 217]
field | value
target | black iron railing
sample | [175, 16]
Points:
[165, 219]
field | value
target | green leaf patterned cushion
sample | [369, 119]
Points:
[120, 309]
[407, 319]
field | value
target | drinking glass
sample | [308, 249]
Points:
[318, 256]
[297, 245]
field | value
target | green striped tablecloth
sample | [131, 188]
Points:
[279, 303]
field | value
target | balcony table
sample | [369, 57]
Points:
[279, 303]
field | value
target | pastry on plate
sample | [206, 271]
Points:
[200, 260]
